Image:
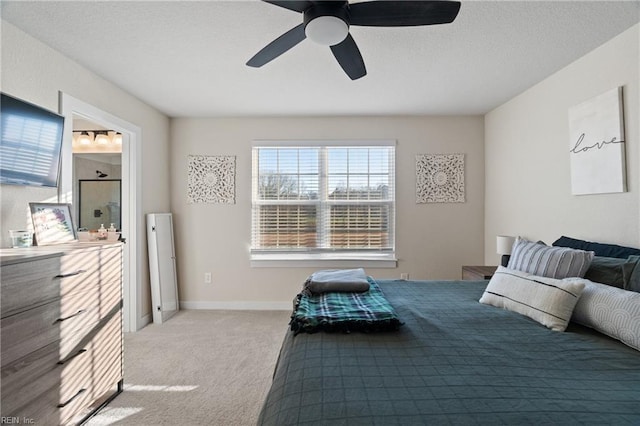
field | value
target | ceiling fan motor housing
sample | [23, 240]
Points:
[327, 23]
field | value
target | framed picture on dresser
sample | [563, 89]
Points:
[52, 223]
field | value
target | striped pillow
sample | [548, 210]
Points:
[544, 261]
[612, 311]
[546, 300]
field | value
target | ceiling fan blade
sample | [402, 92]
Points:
[296, 6]
[278, 46]
[393, 13]
[349, 58]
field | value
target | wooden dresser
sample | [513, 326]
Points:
[62, 338]
[478, 272]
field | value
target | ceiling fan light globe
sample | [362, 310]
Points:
[327, 30]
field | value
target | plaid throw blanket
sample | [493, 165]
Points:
[345, 311]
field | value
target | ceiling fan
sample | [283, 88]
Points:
[327, 23]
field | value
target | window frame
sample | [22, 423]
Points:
[377, 258]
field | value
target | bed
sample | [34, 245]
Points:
[454, 361]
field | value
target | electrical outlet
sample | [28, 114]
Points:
[404, 276]
[207, 277]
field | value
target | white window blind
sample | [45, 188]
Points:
[323, 197]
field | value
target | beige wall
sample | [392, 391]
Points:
[433, 240]
[517, 172]
[36, 73]
[527, 173]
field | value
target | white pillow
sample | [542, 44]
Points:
[546, 300]
[553, 262]
[610, 310]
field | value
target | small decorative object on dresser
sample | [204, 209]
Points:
[474, 273]
[52, 223]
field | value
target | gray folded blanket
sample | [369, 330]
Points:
[340, 280]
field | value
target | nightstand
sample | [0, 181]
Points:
[475, 273]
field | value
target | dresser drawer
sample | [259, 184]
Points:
[29, 284]
[65, 321]
[81, 270]
[20, 379]
[102, 368]
[51, 391]
[43, 375]
[107, 369]
[47, 410]
[26, 285]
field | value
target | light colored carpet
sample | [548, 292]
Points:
[198, 368]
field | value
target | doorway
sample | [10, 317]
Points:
[131, 209]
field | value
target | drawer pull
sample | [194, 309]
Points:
[64, 404]
[81, 311]
[71, 274]
[64, 361]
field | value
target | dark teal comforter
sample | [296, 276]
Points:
[455, 361]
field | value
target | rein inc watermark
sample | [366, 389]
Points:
[6, 420]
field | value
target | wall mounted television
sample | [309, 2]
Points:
[31, 143]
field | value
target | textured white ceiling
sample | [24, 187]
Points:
[187, 58]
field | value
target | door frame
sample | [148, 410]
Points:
[131, 201]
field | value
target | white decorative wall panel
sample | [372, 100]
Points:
[440, 178]
[212, 179]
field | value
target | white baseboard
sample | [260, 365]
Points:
[239, 305]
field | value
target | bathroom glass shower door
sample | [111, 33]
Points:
[99, 203]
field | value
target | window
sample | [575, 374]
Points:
[320, 200]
